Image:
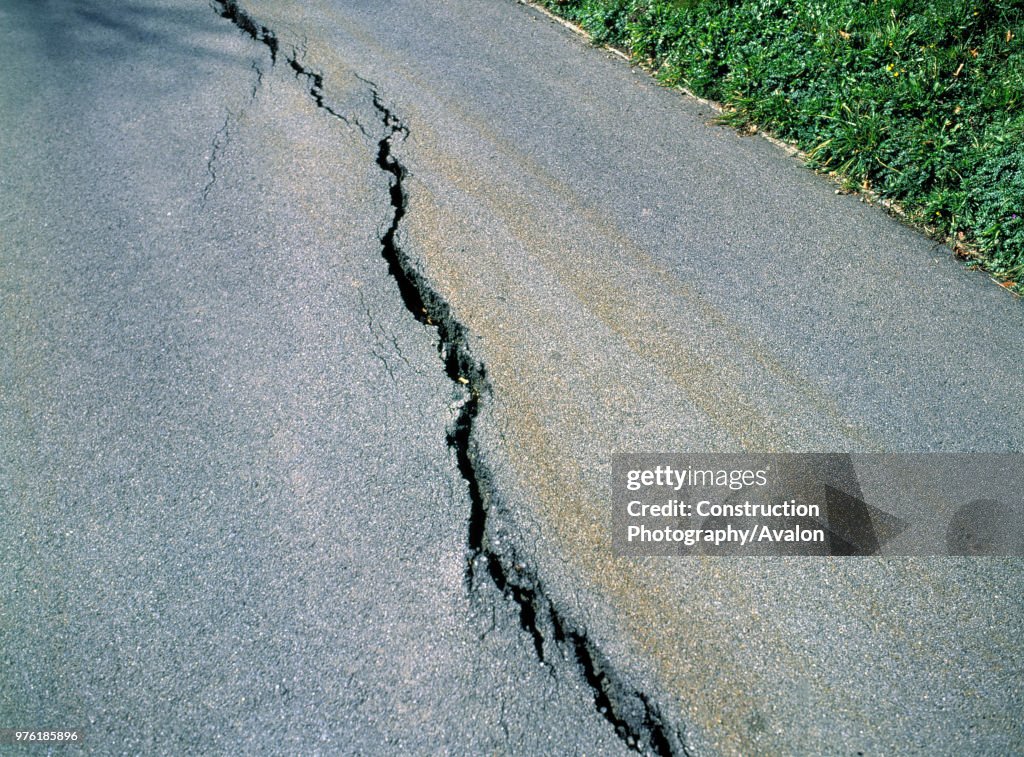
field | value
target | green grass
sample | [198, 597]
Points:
[919, 101]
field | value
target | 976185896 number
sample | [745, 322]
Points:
[37, 735]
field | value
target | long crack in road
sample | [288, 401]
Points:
[297, 532]
[637, 720]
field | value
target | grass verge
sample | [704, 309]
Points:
[917, 102]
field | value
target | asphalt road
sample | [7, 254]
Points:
[240, 486]
[231, 523]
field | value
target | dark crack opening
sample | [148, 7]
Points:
[637, 720]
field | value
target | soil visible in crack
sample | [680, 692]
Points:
[637, 720]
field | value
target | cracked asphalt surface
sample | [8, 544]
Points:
[321, 322]
[231, 522]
